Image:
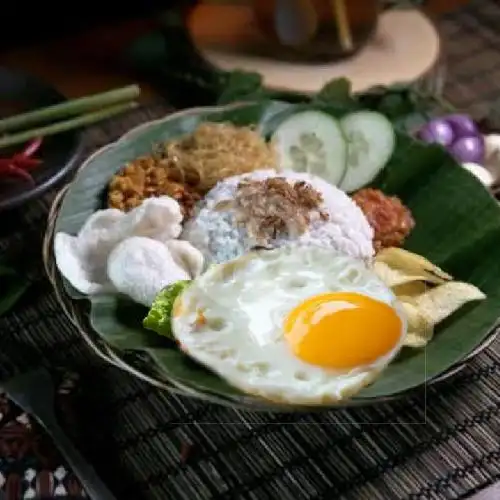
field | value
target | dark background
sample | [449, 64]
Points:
[25, 23]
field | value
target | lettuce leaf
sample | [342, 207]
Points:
[160, 315]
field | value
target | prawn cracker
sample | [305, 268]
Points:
[412, 264]
[426, 310]
[427, 294]
[411, 289]
[438, 303]
[394, 278]
[419, 329]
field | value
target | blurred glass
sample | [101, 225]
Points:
[316, 29]
[305, 30]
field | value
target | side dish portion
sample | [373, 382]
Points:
[186, 168]
[348, 153]
[134, 253]
[427, 294]
[307, 324]
[391, 221]
[296, 325]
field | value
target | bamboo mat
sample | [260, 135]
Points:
[148, 444]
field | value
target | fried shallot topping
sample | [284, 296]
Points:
[273, 206]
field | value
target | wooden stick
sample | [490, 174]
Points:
[343, 26]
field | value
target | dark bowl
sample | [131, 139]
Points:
[59, 153]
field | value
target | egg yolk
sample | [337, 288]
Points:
[342, 330]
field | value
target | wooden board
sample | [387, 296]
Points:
[404, 49]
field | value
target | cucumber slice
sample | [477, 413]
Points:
[370, 143]
[312, 142]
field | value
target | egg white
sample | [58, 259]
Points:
[245, 303]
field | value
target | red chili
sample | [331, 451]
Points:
[13, 171]
[27, 163]
[18, 165]
[31, 148]
[20, 162]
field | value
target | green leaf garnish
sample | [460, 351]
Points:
[242, 86]
[160, 315]
[335, 92]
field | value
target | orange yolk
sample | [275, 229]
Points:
[342, 330]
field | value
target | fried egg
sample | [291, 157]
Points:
[300, 325]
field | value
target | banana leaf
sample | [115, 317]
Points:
[457, 227]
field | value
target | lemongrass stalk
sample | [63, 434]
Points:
[343, 27]
[65, 126]
[69, 108]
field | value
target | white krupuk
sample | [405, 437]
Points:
[141, 267]
[112, 240]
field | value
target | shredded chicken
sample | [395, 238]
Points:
[215, 151]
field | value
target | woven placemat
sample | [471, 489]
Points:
[471, 39]
[148, 444]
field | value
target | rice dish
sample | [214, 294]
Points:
[220, 238]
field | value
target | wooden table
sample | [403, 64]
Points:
[89, 62]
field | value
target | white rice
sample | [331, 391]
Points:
[219, 238]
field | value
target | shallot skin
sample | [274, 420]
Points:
[468, 150]
[462, 126]
[459, 134]
[437, 131]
